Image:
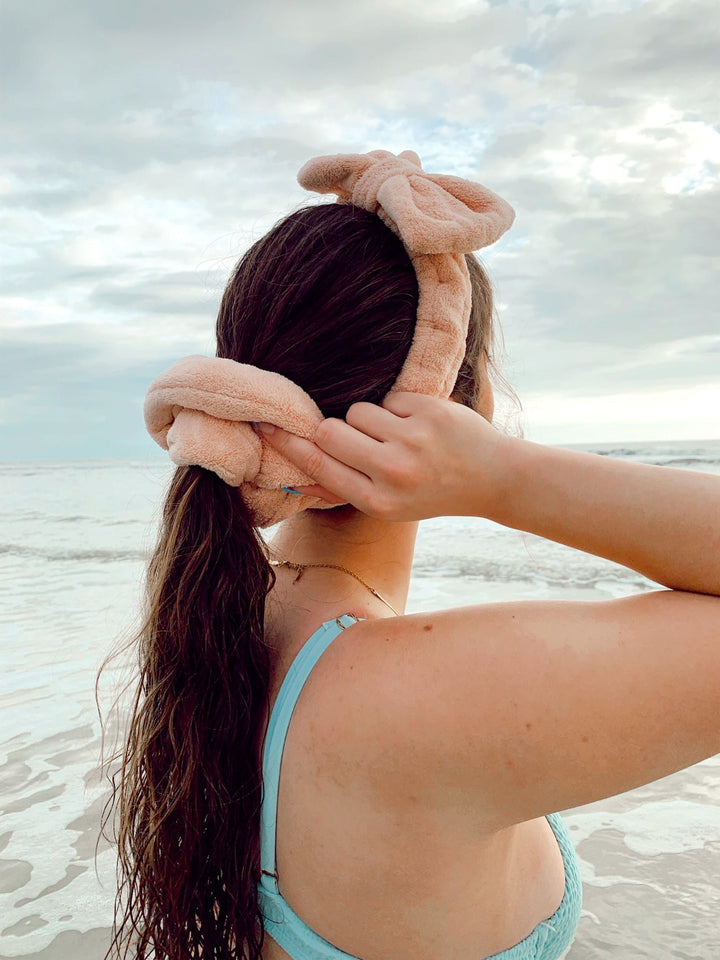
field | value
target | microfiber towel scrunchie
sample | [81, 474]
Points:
[201, 409]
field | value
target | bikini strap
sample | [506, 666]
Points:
[287, 697]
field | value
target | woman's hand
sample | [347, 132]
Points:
[411, 458]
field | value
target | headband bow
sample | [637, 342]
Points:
[430, 212]
[201, 408]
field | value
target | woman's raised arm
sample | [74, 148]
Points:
[418, 457]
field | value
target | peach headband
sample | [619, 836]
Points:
[201, 409]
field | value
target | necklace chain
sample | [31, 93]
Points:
[302, 567]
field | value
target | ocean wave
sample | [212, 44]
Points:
[684, 462]
[32, 468]
[621, 452]
[73, 555]
[580, 574]
[658, 457]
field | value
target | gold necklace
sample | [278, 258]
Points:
[302, 567]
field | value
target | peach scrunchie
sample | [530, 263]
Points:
[200, 410]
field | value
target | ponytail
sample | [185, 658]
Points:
[190, 783]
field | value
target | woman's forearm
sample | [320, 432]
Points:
[662, 522]
[418, 457]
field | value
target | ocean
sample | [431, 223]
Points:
[74, 537]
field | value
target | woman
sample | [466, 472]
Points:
[423, 756]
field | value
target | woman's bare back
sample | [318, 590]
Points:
[377, 869]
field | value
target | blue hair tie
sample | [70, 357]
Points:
[291, 490]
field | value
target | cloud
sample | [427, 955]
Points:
[655, 51]
[76, 390]
[144, 147]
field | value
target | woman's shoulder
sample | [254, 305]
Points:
[525, 707]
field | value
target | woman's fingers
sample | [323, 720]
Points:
[373, 421]
[315, 490]
[402, 403]
[337, 478]
[408, 459]
[349, 444]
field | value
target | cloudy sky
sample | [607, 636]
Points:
[146, 143]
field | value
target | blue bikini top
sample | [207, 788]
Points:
[548, 940]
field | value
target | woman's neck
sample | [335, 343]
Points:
[379, 552]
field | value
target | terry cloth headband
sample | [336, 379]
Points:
[201, 409]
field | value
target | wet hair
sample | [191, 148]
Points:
[328, 298]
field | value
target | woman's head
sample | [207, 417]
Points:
[328, 298]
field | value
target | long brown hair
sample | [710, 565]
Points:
[327, 298]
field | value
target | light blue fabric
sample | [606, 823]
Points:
[548, 941]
